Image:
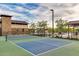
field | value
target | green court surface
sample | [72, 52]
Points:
[70, 50]
[9, 48]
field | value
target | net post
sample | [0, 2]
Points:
[6, 36]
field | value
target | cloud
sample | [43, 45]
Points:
[19, 10]
[68, 11]
[40, 11]
[61, 9]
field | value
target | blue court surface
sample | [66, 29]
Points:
[41, 46]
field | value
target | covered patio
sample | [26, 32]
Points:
[75, 27]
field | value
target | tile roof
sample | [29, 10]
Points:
[18, 22]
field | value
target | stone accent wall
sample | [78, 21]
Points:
[6, 25]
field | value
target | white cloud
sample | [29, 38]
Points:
[68, 11]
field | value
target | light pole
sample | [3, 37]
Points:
[52, 22]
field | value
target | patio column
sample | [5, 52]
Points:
[73, 31]
[68, 31]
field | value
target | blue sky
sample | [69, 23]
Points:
[22, 11]
[19, 9]
[33, 12]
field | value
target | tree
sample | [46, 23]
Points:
[42, 25]
[61, 26]
[50, 30]
[32, 28]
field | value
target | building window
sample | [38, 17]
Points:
[17, 30]
[22, 30]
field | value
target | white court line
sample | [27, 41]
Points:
[53, 49]
[22, 48]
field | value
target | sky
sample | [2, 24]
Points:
[33, 12]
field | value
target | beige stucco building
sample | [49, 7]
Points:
[12, 27]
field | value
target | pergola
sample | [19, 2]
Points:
[73, 24]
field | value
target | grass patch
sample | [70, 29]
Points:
[9, 49]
